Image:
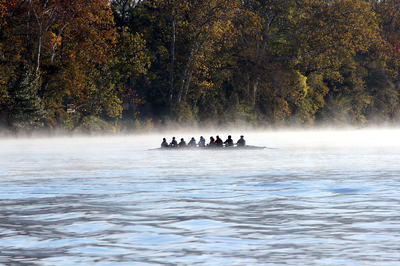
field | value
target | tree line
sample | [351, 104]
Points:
[100, 65]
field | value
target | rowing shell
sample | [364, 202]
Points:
[246, 147]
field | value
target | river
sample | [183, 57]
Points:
[319, 198]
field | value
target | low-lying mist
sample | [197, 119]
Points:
[367, 137]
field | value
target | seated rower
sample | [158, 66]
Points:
[218, 142]
[173, 143]
[182, 144]
[241, 142]
[202, 142]
[212, 142]
[192, 142]
[229, 141]
[164, 143]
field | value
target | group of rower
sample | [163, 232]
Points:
[202, 142]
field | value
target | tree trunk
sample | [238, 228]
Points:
[398, 81]
[187, 85]
[255, 87]
[248, 90]
[183, 78]
[172, 61]
[53, 48]
[268, 21]
[38, 53]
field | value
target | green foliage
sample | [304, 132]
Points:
[135, 65]
[79, 123]
[385, 96]
[183, 114]
[23, 105]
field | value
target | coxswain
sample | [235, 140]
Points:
[218, 142]
[173, 143]
[182, 143]
[229, 141]
[164, 143]
[202, 142]
[241, 142]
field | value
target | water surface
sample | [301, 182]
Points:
[322, 198]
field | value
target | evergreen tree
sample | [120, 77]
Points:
[24, 106]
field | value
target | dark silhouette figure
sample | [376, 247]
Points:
[229, 141]
[173, 143]
[212, 142]
[241, 142]
[182, 144]
[164, 143]
[192, 143]
[202, 142]
[218, 142]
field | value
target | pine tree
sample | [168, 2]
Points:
[24, 106]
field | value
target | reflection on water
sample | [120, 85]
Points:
[320, 199]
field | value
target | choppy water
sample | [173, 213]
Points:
[322, 198]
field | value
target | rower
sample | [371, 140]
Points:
[173, 143]
[212, 142]
[241, 142]
[229, 141]
[164, 143]
[218, 142]
[192, 142]
[202, 142]
[182, 144]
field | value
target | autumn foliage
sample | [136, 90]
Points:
[125, 64]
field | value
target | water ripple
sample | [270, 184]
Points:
[114, 206]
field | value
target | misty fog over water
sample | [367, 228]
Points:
[319, 198]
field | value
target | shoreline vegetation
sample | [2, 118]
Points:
[136, 67]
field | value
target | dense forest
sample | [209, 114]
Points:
[135, 65]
